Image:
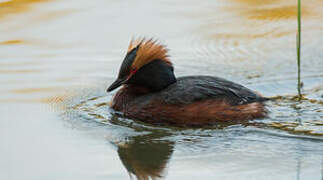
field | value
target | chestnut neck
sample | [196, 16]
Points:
[154, 76]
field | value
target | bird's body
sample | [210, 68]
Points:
[153, 94]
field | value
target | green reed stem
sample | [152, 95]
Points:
[299, 50]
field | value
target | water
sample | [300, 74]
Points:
[58, 57]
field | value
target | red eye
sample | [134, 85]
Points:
[133, 70]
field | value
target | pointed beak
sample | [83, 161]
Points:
[116, 84]
[124, 72]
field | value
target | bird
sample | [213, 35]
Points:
[151, 93]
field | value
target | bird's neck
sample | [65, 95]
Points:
[154, 76]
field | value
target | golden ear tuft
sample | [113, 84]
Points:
[148, 51]
[134, 43]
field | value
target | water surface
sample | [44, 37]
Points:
[58, 57]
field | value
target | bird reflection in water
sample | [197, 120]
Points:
[145, 156]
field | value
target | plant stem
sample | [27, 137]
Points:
[299, 51]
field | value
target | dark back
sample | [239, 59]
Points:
[190, 89]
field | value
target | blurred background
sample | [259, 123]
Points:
[57, 57]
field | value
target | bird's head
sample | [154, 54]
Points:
[141, 52]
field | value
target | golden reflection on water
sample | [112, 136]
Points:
[53, 100]
[18, 71]
[10, 42]
[35, 90]
[273, 13]
[56, 100]
[296, 128]
[273, 9]
[301, 117]
[257, 2]
[250, 19]
[54, 15]
[16, 6]
[249, 36]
